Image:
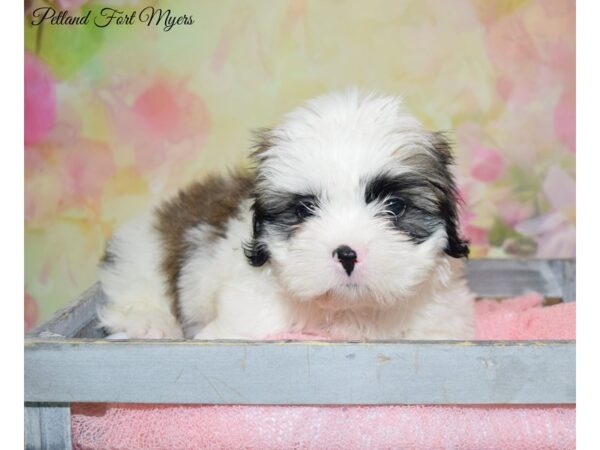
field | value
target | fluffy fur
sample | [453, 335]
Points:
[246, 256]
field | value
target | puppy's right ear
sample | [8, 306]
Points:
[457, 246]
[255, 250]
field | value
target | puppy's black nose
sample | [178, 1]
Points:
[347, 257]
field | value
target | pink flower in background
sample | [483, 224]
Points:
[488, 165]
[559, 188]
[73, 4]
[74, 173]
[70, 4]
[554, 231]
[475, 234]
[504, 86]
[159, 111]
[512, 211]
[31, 311]
[557, 8]
[513, 52]
[564, 119]
[531, 47]
[171, 122]
[85, 168]
[40, 100]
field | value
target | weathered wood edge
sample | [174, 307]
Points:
[74, 317]
[315, 372]
[567, 269]
[497, 278]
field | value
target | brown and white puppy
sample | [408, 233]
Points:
[347, 227]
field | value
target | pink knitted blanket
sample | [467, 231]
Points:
[172, 427]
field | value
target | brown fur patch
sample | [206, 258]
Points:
[213, 202]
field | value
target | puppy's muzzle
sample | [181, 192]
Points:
[347, 258]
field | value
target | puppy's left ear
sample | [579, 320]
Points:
[255, 250]
[457, 246]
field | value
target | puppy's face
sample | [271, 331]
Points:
[354, 202]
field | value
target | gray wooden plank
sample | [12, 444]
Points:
[231, 372]
[74, 317]
[509, 277]
[47, 426]
[565, 269]
[33, 428]
[91, 330]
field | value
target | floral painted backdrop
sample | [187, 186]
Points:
[120, 116]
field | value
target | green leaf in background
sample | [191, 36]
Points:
[65, 48]
[500, 232]
[525, 183]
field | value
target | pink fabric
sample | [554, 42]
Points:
[127, 426]
[523, 318]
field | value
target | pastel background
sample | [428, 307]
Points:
[118, 117]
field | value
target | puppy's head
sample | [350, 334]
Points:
[354, 201]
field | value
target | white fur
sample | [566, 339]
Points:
[136, 292]
[398, 289]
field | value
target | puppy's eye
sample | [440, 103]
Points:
[395, 206]
[305, 208]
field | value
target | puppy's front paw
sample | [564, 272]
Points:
[214, 331]
[159, 333]
[154, 331]
[140, 324]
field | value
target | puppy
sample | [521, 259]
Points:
[347, 228]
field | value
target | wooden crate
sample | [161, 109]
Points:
[67, 360]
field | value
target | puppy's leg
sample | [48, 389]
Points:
[130, 276]
[249, 306]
